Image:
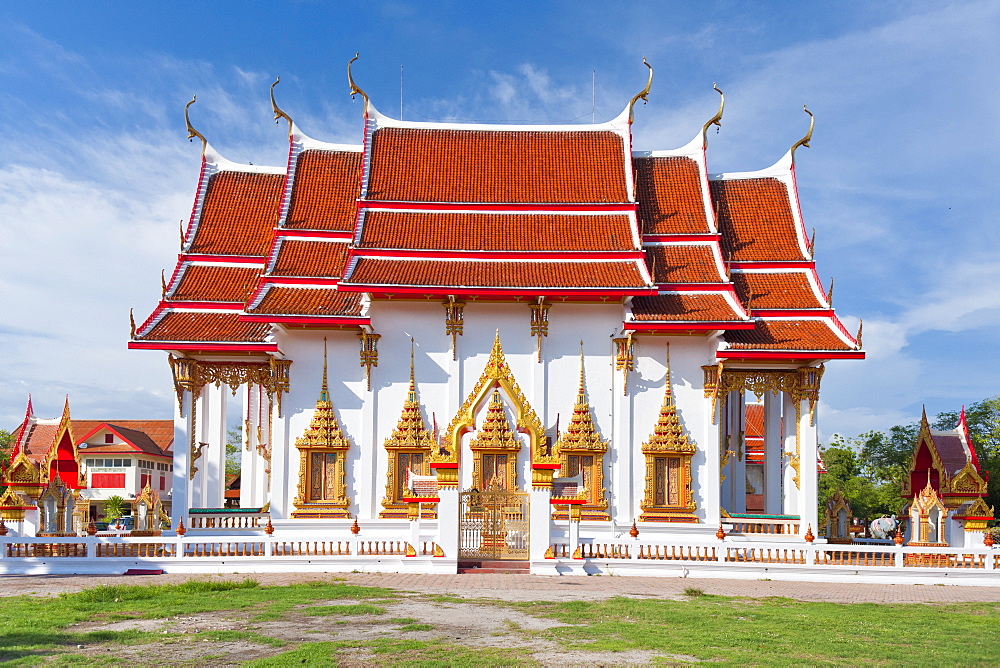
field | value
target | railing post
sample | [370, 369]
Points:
[898, 557]
[811, 550]
[989, 562]
[91, 542]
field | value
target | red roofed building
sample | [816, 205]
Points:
[61, 470]
[455, 269]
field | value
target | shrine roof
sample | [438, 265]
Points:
[685, 307]
[304, 257]
[516, 231]
[517, 165]
[201, 326]
[301, 300]
[389, 273]
[39, 438]
[757, 221]
[237, 215]
[819, 334]
[953, 449]
[670, 195]
[214, 283]
[777, 290]
[754, 421]
[684, 263]
[324, 190]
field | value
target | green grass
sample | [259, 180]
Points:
[32, 628]
[399, 652]
[416, 627]
[354, 609]
[777, 631]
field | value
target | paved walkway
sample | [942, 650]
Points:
[543, 587]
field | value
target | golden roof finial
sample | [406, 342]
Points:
[812, 243]
[861, 324]
[717, 119]
[163, 283]
[324, 391]
[354, 86]
[180, 228]
[192, 133]
[131, 321]
[413, 383]
[641, 95]
[829, 293]
[278, 113]
[805, 140]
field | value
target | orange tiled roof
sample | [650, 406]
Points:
[190, 326]
[683, 307]
[775, 290]
[755, 218]
[325, 190]
[496, 232]
[383, 272]
[669, 194]
[432, 165]
[296, 300]
[754, 421]
[239, 213]
[297, 257]
[216, 284]
[683, 264]
[38, 440]
[787, 335]
[159, 434]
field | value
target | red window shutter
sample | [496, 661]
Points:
[143, 480]
[163, 483]
[107, 480]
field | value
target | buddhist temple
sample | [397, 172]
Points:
[493, 341]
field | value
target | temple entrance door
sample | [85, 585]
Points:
[493, 524]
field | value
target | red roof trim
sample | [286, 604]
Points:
[310, 319]
[792, 312]
[296, 280]
[210, 347]
[677, 238]
[792, 354]
[531, 293]
[242, 259]
[293, 233]
[693, 325]
[479, 206]
[195, 306]
[791, 264]
[699, 287]
[565, 256]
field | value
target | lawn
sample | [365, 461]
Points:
[206, 622]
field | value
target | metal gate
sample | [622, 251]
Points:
[493, 525]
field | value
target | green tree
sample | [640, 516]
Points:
[234, 448]
[114, 507]
[869, 497]
[6, 441]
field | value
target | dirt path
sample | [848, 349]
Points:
[545, 587]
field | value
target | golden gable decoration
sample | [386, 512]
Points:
[668, 496]
[581, 450]
[408, 447]
[495, 449]
[322, 488]
[496, 375]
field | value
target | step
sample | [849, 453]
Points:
[490, 571]
[493, 566]
[144, 571]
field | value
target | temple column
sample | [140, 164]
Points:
[708, 485]
[370, 459]
[621, 456]
[790, 502]
[214, 456]
[739, 459]
[772, 453]
[252, 465]
[539, 523]
[180, 484]
[284, 472]
[808, 478]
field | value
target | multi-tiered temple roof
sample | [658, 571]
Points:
[497, 212]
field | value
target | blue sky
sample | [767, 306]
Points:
[900, 181]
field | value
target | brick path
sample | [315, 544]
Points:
[544, 587]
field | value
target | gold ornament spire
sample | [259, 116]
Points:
[278, 113]
[354, 87]
[717, 119]
[324, 391]
[861, 324]
[805, 140]
[641, 95]
[496, 432]
[192, 133]
[668, 435]
[581, 433]
[324, 429]
[411, 430]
